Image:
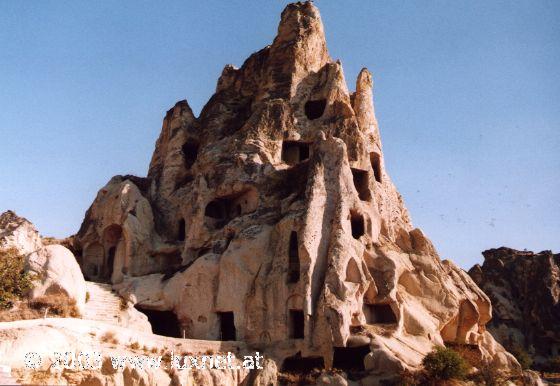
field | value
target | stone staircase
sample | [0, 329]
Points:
[103, 304]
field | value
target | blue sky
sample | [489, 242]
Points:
[467, 96]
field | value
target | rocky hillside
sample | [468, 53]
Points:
[524, 288]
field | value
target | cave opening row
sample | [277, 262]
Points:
[295, 152]
[166, 323]
[292, 152]
[349, 359]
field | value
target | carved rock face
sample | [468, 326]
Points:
[270, 219]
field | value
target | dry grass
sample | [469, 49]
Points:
[54, 305]
[68, 242]
[123, 305]
[296, 379]
[109, 337]
[20, 311]
[57, 305]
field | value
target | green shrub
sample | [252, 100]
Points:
[444, 363]
[14, 281]
[522, 356]
[489, 375]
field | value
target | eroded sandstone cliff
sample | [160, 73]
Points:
[271, 219]
[525, 291]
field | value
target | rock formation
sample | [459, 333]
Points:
[270, 219]
[525, 290]
[54, 266]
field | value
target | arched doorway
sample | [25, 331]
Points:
[112, 237]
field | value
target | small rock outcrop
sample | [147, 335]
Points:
[525, 291]
[271, 219]
[54, 266]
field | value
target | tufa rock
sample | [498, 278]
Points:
[270, 219]
[55, 267]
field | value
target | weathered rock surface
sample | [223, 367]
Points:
[270, 219]
[54, 266]
[525, 290]
[75, 335]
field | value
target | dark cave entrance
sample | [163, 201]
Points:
[296, 324]
[293, 259]
[299, 364]
[357, 224]
[216, 209]
[112, 236]
[350, 358]
[190, 153]
[294, 152]
[379, 314]
[361, 183]
[376, 165]
[227, 325]
[222, 210]
[163, 322]
[110, 262]
[182, 230]
[315, 109]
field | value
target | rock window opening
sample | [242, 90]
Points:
[163, 322]
[293, 259]
[224, 209]
[190, 152]
[299, 364]
[361, 183]
[294, 152]
[375, 159]
[182, 230]
[357, 224]
[379, 314]
[227, 325]
[315, 109]
[296, 324]
[350, 358]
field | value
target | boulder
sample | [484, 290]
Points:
[55, 268]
